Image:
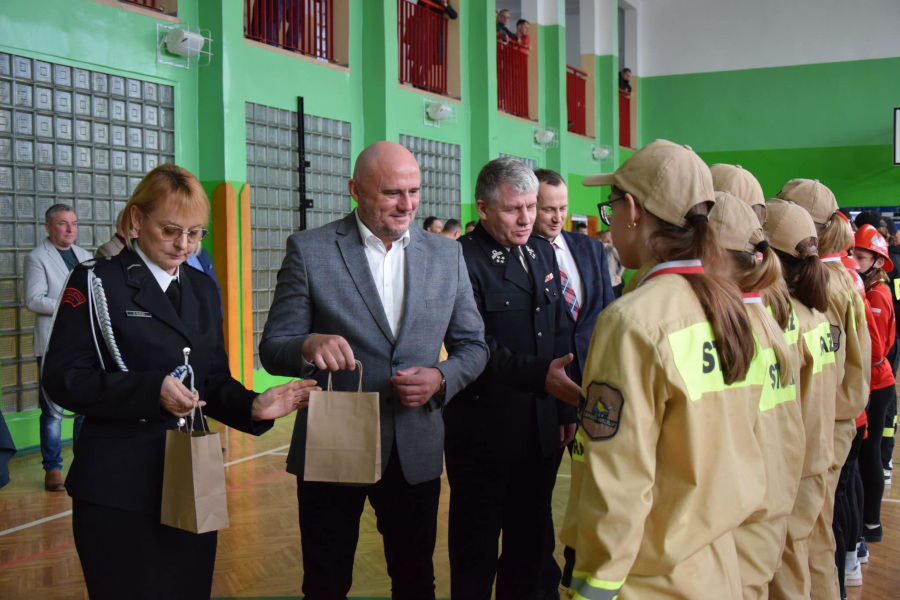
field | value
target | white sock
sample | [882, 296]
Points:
[872, 526]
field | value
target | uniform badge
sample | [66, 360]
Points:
[549, 277]
[531, 252]
[600, 413]
[74, 297]
[138, 313]
[498, 258]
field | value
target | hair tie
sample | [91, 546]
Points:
[761, 246]
[699, 218]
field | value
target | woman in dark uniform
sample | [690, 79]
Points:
[123, 385]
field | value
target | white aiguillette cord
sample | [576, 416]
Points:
[97, 301]
[181, 373]
[359, 389]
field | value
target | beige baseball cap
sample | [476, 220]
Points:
[817, 199]
[666, 178]
[787, 224]
[735, 223]
[739, 182]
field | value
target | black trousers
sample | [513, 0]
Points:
[406, 517]
[890, 430]
[847, 523]
[870, 467]
[132, 555]
[489, 497]
[551, 574]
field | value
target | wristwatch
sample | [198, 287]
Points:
[443, 389]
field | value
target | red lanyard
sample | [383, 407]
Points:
[674, 267]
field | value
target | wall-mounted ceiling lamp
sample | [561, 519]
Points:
[174, 41]
[436, 113]
[600, 154]
[544, 137]
[184, 43]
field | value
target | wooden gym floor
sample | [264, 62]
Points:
[259, 555]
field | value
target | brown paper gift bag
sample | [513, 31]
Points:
[343, 436]
[193, 496]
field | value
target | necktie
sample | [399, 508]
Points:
[521, 256]
[173, 293]
[568, 292]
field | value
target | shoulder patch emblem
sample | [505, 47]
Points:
[498, 257]
[74, 297]
[601, 412]
[835, 338]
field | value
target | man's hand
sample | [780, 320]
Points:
[328, 352]
[567, 434]
[283, 399]
[417, 385]
[177, 399]
[558, 383]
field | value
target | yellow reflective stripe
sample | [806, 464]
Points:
[897, 289]
[694, 351]
[590, 588]
[578, 447]
[818, 342]
[792, 333]
[773, 391]
[888, 432]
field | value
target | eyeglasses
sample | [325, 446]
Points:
[174, 232]
[605, 209]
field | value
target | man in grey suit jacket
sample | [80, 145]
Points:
[369, 288]
[47, 268]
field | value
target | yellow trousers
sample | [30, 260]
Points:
[822, 570]
[759, 547]
[792, 579]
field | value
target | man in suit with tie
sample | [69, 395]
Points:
[47, 268]
[370, 288]
[505, 430]
[587, 290]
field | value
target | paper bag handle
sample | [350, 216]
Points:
[359, 389]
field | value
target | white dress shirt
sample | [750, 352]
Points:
[162, 278]
[388, 269]
[567, 263]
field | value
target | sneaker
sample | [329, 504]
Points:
[862, 552]
[887, 477]
[853, 578]
[873, 534]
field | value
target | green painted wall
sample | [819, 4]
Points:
[210, 100]
[832, 122]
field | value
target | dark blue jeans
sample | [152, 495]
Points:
[51, 429]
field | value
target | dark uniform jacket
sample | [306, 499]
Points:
[120, 452]
[590, 259]
[505, 414]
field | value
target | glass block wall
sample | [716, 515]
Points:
[528, 161]
[72, 136]
[273, 161]
[439, 164]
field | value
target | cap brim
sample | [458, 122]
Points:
[599, 179]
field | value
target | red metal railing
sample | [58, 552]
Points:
[422, 40]
[576, 82]
[512, 77]
[624, 118]
[305, 26]
[145, 3]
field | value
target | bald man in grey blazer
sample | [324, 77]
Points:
[370, 288]
[47, 269]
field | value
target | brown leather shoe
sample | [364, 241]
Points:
[53, 481]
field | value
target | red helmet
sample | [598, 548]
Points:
[868, 238]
